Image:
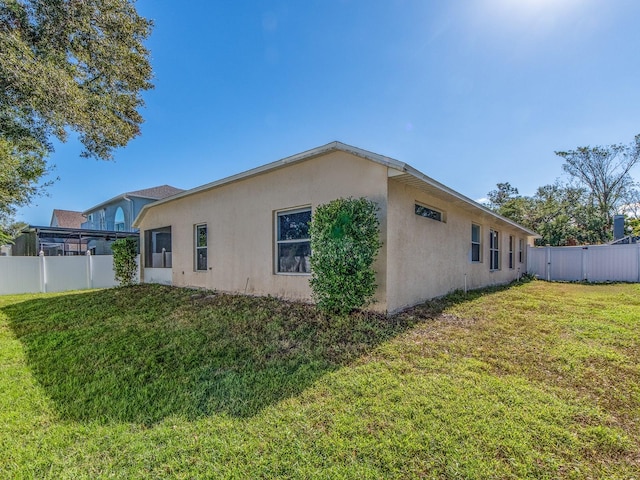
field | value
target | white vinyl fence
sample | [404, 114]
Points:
[55, 274]
[593, 263]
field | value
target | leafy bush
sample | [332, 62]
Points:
[125, 251]
[345, 239]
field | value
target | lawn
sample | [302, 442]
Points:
[537, 380]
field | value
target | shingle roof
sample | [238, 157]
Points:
[154, 193]
[157, 193]
[68, 218]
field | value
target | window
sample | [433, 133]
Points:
[201, 247]
[293, 246]
[520, 250]
[157, 248]
[475, 243]
[510, 251]
[427, 212]
[494, 250]
[103, 219]
[119, 220]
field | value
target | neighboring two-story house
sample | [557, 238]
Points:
[76, 233]
[118, 213]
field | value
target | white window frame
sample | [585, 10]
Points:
[198, 248]
[494, 249]
[277, 241]
[520, 250]
[479, 243]
[119, 226]
[511, 252]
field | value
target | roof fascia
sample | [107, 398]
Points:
[299, 157]
[434, 183]
[122, 196]
[330, 147]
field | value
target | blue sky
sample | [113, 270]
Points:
[470, 92]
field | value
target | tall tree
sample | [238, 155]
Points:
[67, 66]
[631, 202]
[562, 215]
[604, 172]
[506, 201]
[559, 213]
[21, 166]
[503, 194]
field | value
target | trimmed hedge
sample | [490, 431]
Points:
[125, 251]
[345, 239]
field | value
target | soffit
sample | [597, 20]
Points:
[452, 197]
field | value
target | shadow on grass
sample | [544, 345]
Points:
[143, 353]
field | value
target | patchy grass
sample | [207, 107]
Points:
[535, 381]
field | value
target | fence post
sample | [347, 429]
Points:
[584, 275]
[43, 272]
[548, 263]
[89, 269]
[638, 257]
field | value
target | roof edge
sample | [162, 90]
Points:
[122, 196]
[314, 152]
[298, 157]
[421, 176]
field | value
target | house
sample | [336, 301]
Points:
[76, 233]
[117, 214]
[241, 233]
[66, 219]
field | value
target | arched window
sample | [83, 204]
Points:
[119, 220]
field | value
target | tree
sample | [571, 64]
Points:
[11, 231]
[503, 194]
[20, 170]
[604, 173]
[559, 213]
[631, 202]
[67, 66]
[633, 225]
[345, 239]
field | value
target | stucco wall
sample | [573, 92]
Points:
[428, 258]
[241, 224]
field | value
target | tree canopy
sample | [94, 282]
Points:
[20, 170]
[580, 211]
[555, 212]
[604, 173]
[67, 66]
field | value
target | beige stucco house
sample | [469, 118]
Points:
[248, 233]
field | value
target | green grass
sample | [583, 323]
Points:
[534, 381]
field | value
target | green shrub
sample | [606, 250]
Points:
[345, 240]
[125, 251]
